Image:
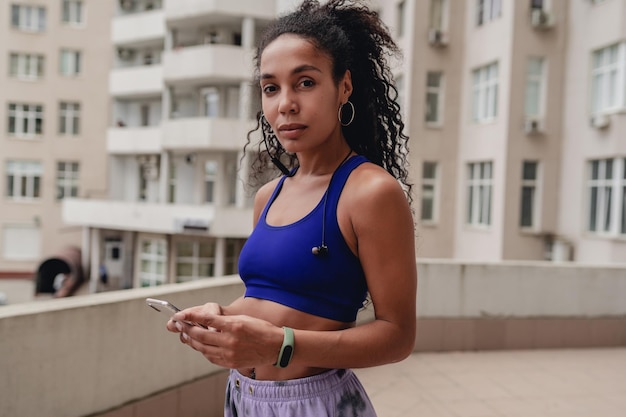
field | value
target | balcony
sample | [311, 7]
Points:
[190, 11]
[203, 133]
[157, 218]
[206, 64]
[109, 355]
[138, 29]
[136, 82]
[134, 140]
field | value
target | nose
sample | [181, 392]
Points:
[287, 103]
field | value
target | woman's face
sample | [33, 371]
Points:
[299, 95]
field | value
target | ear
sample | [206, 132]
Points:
[345, 87]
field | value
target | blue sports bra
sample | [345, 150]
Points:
[276, 262]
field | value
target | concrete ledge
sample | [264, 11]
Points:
[459, 334]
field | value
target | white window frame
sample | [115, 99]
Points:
[479, 193]
[438, 92]
[535, 93]
[487, 11]
[608, 79]
[68, 179]
[430, 193]
[26, 66]
[196, 260]
[21, 242]
[23, 180]
[153, 254]
[485, 93]
[69, 118]
[29, 18]
[438, 14]
[401, 18]
[232, 249]
[73, 12]
[27, 120]
[211, 173]
[70, 62]
[605, 212]
[534, 185]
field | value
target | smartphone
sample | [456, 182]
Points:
[168, 308]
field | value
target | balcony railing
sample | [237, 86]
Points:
[205, 133]
[134, 140]
[136, 82]
[181, 10]
[138, 29]
[207, 63]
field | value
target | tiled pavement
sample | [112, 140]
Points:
[534, 383]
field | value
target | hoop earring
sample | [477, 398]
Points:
[339, 114]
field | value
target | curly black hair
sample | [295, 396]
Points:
[357, 40]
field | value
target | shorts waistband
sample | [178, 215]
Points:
[293, 389]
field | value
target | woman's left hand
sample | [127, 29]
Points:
[231, 341]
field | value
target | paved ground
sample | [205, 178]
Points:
[539, 383]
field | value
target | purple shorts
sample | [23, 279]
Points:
[335, 393]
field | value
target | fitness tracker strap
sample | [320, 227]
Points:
[286, 350]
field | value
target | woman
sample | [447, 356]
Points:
[332, 229]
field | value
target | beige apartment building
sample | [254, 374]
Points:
[514, 109]
[516, 114]
[54, 57]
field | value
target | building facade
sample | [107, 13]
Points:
[55, 59]
[139, 110]
[515, 112]
[181, 100]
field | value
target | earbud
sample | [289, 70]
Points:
[321, 250]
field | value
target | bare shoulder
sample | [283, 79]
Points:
[370, 182]
[262, 196]
[374, 199]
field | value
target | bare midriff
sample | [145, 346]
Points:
[281, 315]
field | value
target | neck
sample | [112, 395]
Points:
[325, 164]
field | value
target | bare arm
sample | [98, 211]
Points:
[383, 230]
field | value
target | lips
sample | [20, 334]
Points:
[290, 127]
[291, 130]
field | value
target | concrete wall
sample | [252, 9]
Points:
[108, 354]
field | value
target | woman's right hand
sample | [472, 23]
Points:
[208, 309]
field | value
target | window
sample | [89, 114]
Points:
[70, 62]
[429, 191]
[434, 97]
[233, 248]
[606, 186]
[622, 228]
[211, 101]
[535, 87]
[144, 111]
[73, 12]
[67, 179]
[437, 13]
[210, 179]
[171, 184]
[401, 16]
[29, 18]
[231, 181]
[479, 186]
[195, 260]
[400, 87]
[25, 120]
[21, 242]
[488, 10]
[69, 118]
[23, 179]
[608, 78]
[26, 66]
[485, 93]
[153, 262]
[529, 197]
